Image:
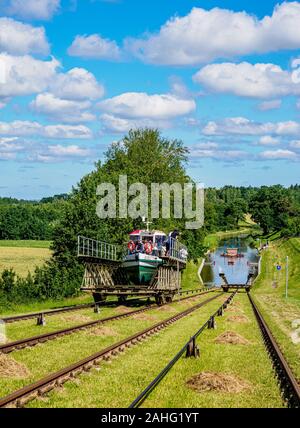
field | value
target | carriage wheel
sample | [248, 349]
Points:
[160, 300]
[169, 299]
[98, 297]
[122, 299]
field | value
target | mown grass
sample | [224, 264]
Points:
[28, 328]
[117, 383]
[38, 306]
[249, 362]
[269, 292]
[190, 279]
[56, 354]
[25, 243]
[22, 259]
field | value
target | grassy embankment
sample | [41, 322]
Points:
[282, 315]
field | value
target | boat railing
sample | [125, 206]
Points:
[177, 250]
[92, 248]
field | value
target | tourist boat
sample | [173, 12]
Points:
[141, 266]
[147, 250]
[232, 253]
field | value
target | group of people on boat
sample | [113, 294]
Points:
[163, 246]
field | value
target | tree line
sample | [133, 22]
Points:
[26, 220]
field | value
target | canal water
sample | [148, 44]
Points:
[235, 269]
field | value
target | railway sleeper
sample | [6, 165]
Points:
[76, 372]
[45, 389]
[26, 398]
[88, 366]
[63, 379]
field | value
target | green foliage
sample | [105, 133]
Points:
[29, 220]
[272, 208]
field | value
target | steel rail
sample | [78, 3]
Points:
[49, 312]
[41, 338]
[287, 381]
[22, 396]
[152, 385]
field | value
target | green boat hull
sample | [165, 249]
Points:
[140, 271]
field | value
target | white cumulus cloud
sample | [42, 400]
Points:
[120, 125]
[279, 155]
[17, 38]
[25, 75]
[31, 9]
[77, 84]
[270, 105]
[205, 35]
[244, 126]
[68, 151]
[136, 105]
[220, 155]
[268, 140]
[34, 129]
[94, 46]
[295, 144]
[248, 80]
[60, 109]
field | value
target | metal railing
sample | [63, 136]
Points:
[87, 247]
[177, 250]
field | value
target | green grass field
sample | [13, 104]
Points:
[63, 351]
[22, 258]
[282, 314]
[118, 382]
[25, 244]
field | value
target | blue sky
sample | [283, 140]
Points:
[76, 75]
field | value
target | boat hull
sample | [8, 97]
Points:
[141, 268]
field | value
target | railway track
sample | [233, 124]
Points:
[22, 396]
[189, 348]
[34, 340]
[49, 312]
[287, 382]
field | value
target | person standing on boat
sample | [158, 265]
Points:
[139, 247]
[171, 238]
[155, 249]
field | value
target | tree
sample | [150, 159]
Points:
[271, 208]
[145, 157]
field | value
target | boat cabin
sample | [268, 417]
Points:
[155, 237]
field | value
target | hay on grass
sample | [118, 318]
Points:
[218, 382]
[238, 318]
[232, 338]
[144, 317]
[10, 368]
[76, 318]
[102, 331]
[123, 309]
